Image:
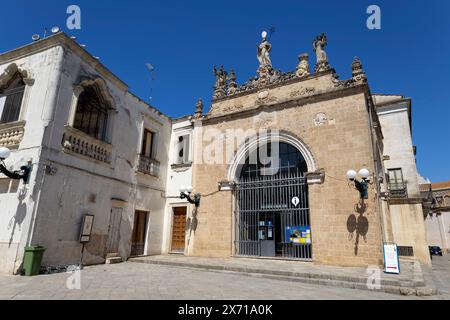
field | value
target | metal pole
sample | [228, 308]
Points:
[81, 259]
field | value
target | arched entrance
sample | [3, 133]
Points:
[272, 208]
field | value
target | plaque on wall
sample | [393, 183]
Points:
[86, 228]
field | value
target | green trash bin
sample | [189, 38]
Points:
[32, 260]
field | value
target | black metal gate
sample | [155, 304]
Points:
[272, 216]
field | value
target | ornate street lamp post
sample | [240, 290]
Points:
[362, 185]
[186, 193]
[23, 173]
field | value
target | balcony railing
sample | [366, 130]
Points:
[76, 141]
[148, 166]
[11, 134]
[398, 190]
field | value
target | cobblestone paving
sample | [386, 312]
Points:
[143, 281]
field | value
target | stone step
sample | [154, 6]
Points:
[112, 255]
[392, 289]
[393, 286]
[113, 260]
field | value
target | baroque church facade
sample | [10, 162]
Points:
[263, 169]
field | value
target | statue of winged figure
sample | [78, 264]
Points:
[221, 76]
[263, 53]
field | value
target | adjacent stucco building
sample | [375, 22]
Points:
[404, 204]
[95, 149]
[438, 218]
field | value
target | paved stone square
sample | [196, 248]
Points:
[145, 281]
[441, 274]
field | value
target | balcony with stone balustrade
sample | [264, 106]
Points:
[11, 134]
[79, 143]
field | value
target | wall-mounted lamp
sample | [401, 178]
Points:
[186, 193]
[363, 185]
[23, 173]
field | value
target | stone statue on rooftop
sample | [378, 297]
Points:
[221, 77]
[198, 109]
[263, 53]
[303, 66]
[319, 48]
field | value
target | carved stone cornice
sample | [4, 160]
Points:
[287, 79]
[267, 78]
[394, 201]
[62, 39]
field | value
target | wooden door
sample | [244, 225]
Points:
[139, 233]
[179, 229]
[115, 219]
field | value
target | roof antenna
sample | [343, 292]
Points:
[151, 69]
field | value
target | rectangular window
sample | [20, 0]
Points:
[2, 105]
[396, 181]
[147, 144]
[10, 105]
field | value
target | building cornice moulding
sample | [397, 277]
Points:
[63, 40]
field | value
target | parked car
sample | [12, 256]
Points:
[435, 251]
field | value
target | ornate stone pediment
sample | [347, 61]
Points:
[11, 70]
[268, 96]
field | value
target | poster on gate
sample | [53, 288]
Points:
[391, 262]
[298, 234]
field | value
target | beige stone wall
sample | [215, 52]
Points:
[340, 144]
[409, 229]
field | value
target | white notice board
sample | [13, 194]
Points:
[391, 263]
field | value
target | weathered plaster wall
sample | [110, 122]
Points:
[18, 202]
[80, 179]
[406, 218]
[78, 185]
[438, 230]
[398, 145]
[176, 177]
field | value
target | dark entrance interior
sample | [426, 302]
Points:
[139, 233]
[272, 214]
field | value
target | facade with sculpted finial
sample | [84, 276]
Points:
[293, 200]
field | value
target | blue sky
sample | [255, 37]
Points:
[410, 55]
